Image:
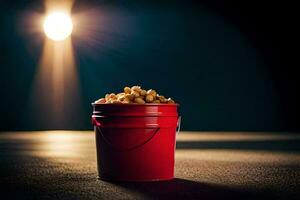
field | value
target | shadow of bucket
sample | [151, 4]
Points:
[135, 142]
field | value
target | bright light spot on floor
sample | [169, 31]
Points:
[58, 26]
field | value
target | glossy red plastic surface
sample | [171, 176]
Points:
[135, 142]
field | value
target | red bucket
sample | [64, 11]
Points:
[135, 142]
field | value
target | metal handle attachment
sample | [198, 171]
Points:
[178, 125]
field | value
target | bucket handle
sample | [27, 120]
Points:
[131, 148]
[98, 125]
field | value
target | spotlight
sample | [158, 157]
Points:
[58, 26]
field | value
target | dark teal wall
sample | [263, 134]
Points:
[220, 73]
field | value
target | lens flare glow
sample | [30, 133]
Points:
[58, 26]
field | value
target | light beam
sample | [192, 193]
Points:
[56, 93]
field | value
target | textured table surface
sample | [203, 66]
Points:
[209, 165]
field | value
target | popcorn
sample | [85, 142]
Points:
[134, 94]
[102, 100]
[149, 98]
[152, 92]
[139, 100]
[127, 90]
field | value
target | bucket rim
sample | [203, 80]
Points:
[135, 104]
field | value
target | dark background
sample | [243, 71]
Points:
[230, 64]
